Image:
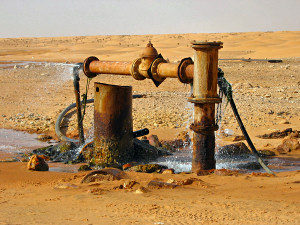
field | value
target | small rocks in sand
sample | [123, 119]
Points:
[155, 184]
[108, 174]
[84, 168]
[129, 184]
[288, 144]
[44, 137]
[37, 163]
[168, 171]
[238, 148]
[141, 190]
[148, 168]
[154, 141]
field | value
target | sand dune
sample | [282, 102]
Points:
[283, 44]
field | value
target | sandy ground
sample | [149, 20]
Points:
[267, 96]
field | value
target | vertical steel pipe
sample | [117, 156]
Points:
[204, 98]
[113, 124]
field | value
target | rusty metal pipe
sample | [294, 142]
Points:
[204, 98]
[113, 124]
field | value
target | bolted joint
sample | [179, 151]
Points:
[182, 76]
[204, 129]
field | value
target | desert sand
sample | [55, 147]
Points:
[266, 94]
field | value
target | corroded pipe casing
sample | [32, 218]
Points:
[113, 124]
[204, 98]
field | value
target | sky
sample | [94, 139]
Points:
[52, 18]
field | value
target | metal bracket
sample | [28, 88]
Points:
[153, 71]
[203, 129]
[204, 100]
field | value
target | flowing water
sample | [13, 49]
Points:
[13, 143]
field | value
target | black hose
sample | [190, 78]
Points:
[59, 119]
[225, 87]
[250, 143]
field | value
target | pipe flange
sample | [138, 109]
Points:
[181, 70]
[86, 66]
[204, 100]
[203, 129]
[154, 67]
[135, 69]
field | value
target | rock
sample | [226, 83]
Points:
[185, 137]
[291, 143]
[44, 137]
[284, 122]
[204, 172]
[235, 149]
[225, 172]
[168, 146]
[168, 171]
[283, 149]
[148, 168]
[189, 181]
[250, 166]
[126, 166]
[171, 181]
[84, 168]
[141, 190]
[37, 163]
[277, 134]
[239, 138]
[155, 184]
[108, 174]
[129, 184]
[95, 191]
[266, 153]
[154, 141]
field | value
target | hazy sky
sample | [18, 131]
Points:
[43, 18]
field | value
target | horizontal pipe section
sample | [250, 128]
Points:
[110, 67]
[164, 70]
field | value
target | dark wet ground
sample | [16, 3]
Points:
[14, 143]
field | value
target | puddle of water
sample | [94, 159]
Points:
[14, 142]
[181, 160]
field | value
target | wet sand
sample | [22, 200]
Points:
[267, 96]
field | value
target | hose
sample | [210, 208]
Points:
[225, 87]
[59, 119]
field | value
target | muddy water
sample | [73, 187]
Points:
[13, 143]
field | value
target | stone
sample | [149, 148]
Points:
[284, 122]
[250, 166]
[141, 190]
[129, 184]
[185, 137]
[148, 168]
[44, 137]
[291, 143]
[277, 134]
[204, 172]
[37, 163]
[189, 181]
[154, 141]
[155, 184]
[126, 166]
[282, 149]
[84, 168]
[108, 174]
[168, 171]
[225, 172]
[266, 153]
[235, 149]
